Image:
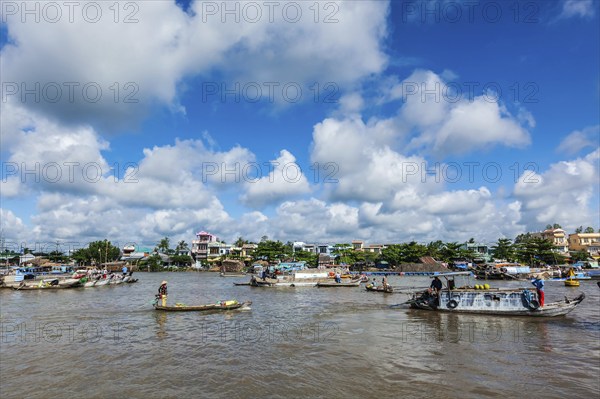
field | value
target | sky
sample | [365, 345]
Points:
[314, 121]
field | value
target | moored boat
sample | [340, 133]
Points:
[220, 306]
[495, 301]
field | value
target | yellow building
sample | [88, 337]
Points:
[589, 242]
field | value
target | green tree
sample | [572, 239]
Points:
[163, 246]
[58, 257]
[240, 242]
[434, 249]
[182, 246]
[579, 256]
[535, 251]
[396, 254]
[589, 230]
[556, 226]
[310, 258]
[153, 263]
[579, 230]
[344, 253]
[504, 250]
[271, 250]
[97, 252]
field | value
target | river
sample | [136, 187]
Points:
[108, 342]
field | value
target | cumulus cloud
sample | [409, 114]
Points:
[580, 139]
[578, 8]
[563, 194]
[97, 77]
[446, 122]
[284, 180]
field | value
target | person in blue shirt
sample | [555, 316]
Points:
[539, 286]
[124, 270]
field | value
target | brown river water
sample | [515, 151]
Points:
[108, 342]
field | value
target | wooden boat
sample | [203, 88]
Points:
[353, 283]
[247, 283]
[386, 290]
[38, 287]
[232, 274]
[203, 308]
[494, 301]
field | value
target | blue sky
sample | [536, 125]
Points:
[504, 93]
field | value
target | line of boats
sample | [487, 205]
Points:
[79, 279]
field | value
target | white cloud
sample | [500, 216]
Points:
[578, 8]
[577, 140]
[284, 180]
[165, 46]
[563, 194]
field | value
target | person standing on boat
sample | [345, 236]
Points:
[338, 277]
[124, 270]
[539, 286]
[384, 282]
[162, 293]
[436, 285]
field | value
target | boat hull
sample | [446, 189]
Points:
[388, 290]
[337, 285]
[202, 308]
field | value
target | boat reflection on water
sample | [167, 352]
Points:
[161, 320]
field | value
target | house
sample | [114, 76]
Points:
[248, 250]
[557, 237]
[374, 248]
[482, 251]
[357, 245]
[27, 258]
[200, 249]
[589, 242]
[135, 252]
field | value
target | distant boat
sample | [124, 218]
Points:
[353, 283]
[387, 290]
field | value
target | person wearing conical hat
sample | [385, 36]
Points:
[162, 293]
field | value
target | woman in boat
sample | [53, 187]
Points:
[539, 286]
[162, 293]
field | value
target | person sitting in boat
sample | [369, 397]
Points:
[374, 284]
[436, 285]
[539, 286]
[162, 293]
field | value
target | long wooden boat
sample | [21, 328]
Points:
[232, 274]
[354, 283]
[246, 283]
[203, 308]
[386, 290]
[38, 287]
[493, 301]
